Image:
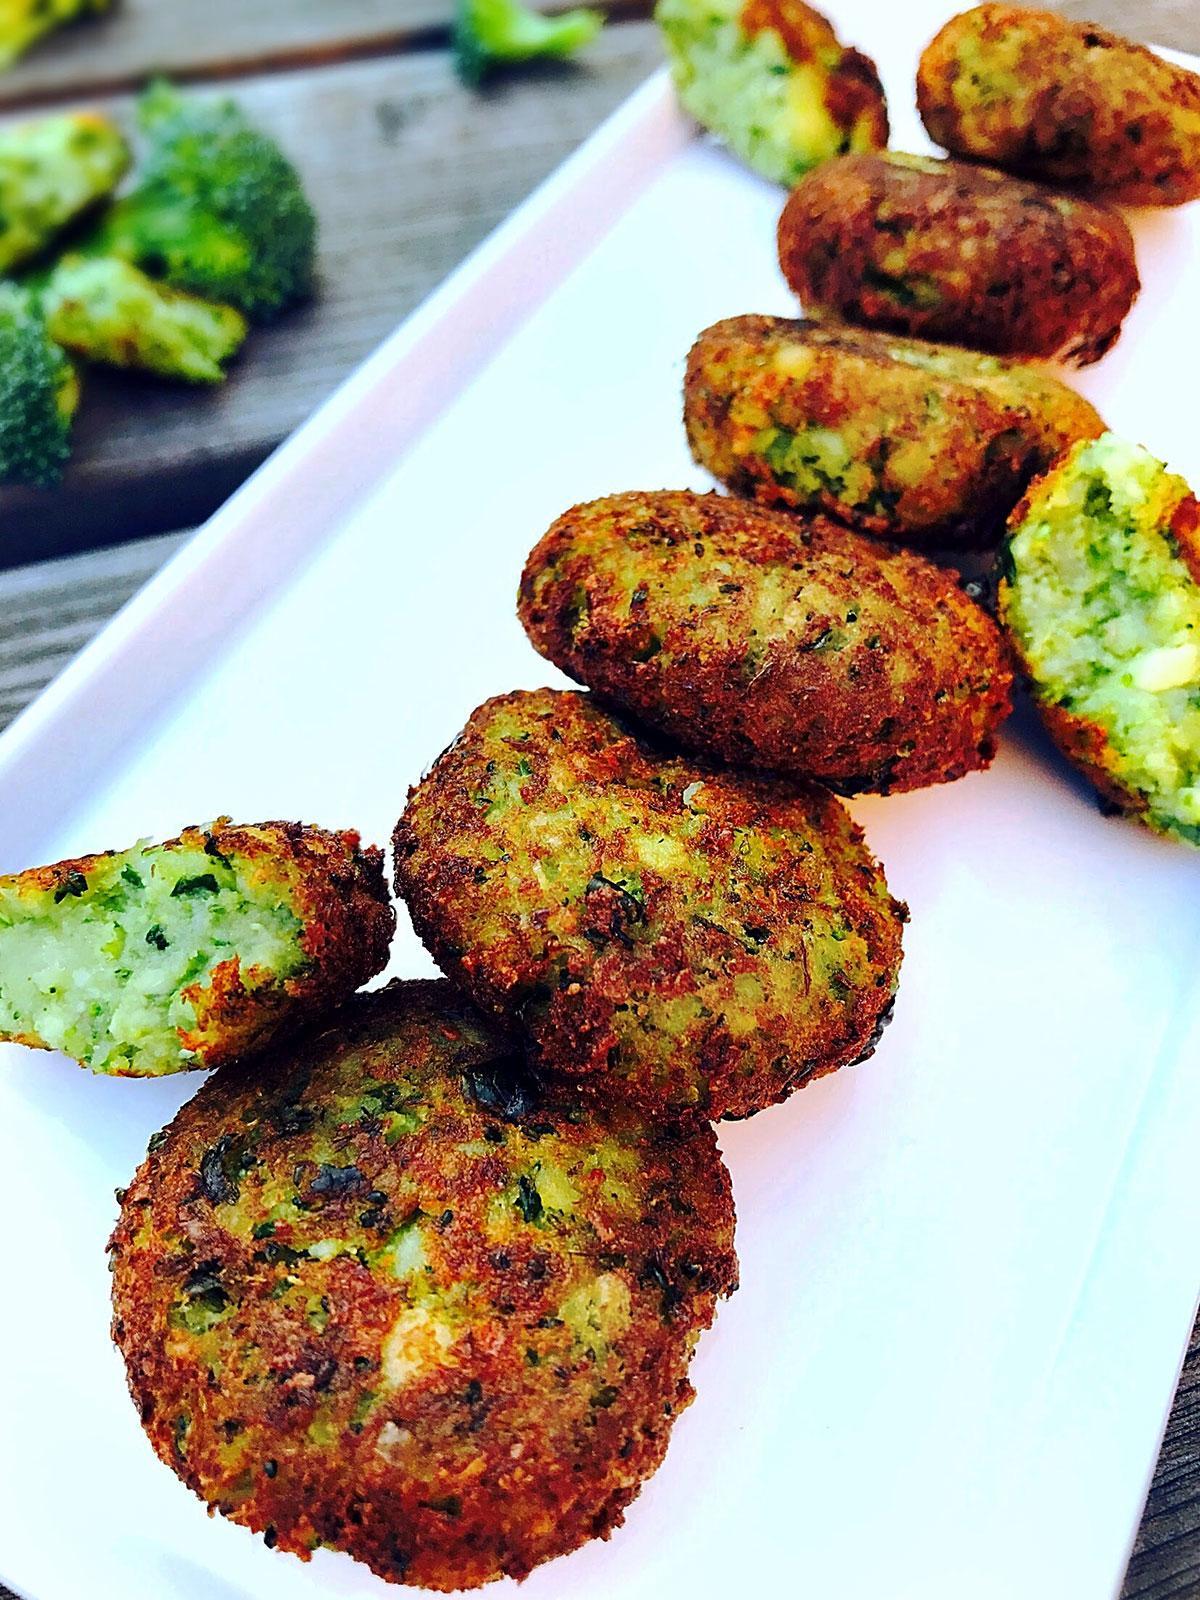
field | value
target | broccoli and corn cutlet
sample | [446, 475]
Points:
[923, 443]
[216, 208]
[694, 937]
[383, 1292]
[185, 954]
[24, 22]
[1101, 598]
[39, 393]
[949, 251]
[1065, 101]
[771, 79]
[799, 647]
[51, 171]
[108, 311]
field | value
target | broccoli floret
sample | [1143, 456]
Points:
[110, 311]
[39, 392]
[51, 171]
[488, 33]
[217, 208]
[23, 22]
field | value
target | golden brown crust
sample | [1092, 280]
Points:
[853, 92]
[345, 1309]
[948, 251]
[663, 928]
[931, 445]
[1067, 101]
[762, 640]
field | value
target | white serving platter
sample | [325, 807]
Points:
[968, 1266]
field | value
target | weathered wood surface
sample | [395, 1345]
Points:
[227, 38]
[407, 171]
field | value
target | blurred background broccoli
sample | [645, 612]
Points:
[489, 34]
[216, 208]
[212, 231]
[38, 394]
[24, 22]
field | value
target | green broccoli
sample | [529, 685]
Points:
[23, 22]
[110, 311]
[217, 208]
[39, 392]
[52, 170]
[488, 33]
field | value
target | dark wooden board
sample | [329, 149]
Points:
[407, 171]
[227, 38]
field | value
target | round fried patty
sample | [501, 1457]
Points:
[926, 444]
[694, 936]
[798, 647]
[946, 250]
[390, 1296]
[1062, 100]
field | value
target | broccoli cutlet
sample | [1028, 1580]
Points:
[383, 1292]
[798, 647]
[185, 954]
[923, 443]
[1101, 598]
[946, 250]
[1063, 100]
[663, 928]
[771, 79]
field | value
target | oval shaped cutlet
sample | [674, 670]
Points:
[949, 251]
[926, 444]
[390, 1296]
[662, 928]
[1065, 101]
[800, 648]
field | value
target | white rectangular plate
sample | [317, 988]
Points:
[968, 1265]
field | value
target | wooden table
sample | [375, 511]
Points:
[407, 171]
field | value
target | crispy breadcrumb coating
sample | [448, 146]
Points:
[663, 928]
[954, 252]
[1066, 101]
[926, 444]
[796, 647]
[387, 1294]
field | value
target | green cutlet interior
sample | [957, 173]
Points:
[97, 967]
[1108, 618]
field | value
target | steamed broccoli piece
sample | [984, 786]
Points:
[23, 22]
[110, 311]
[51, 171]
[488, 33]
[39, 392]
[217, 208]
